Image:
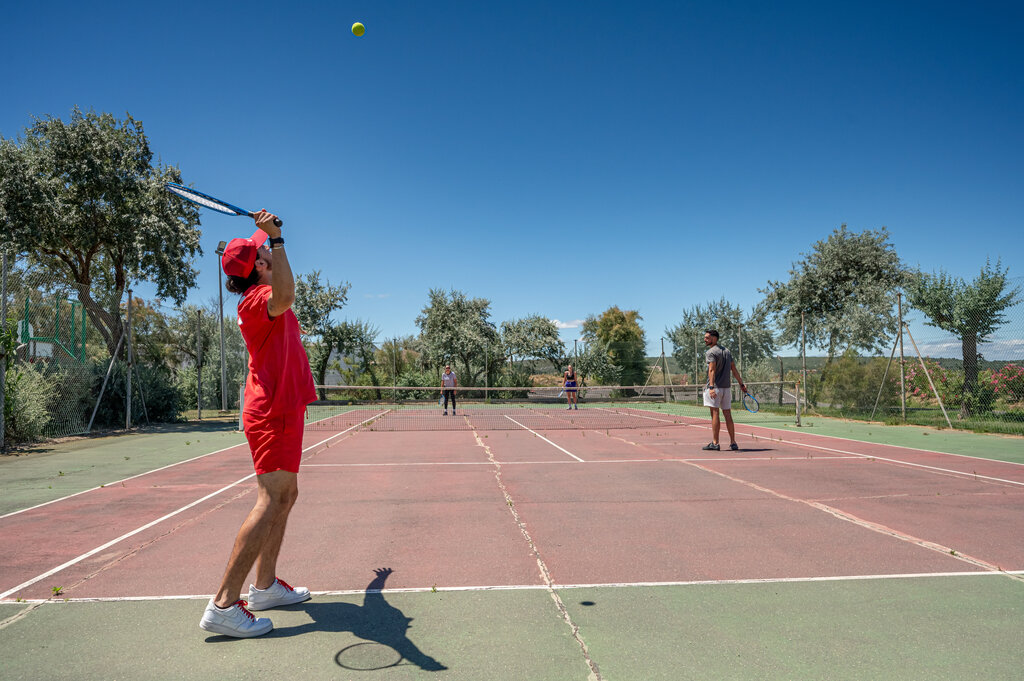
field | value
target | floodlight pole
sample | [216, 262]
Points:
[220, 296]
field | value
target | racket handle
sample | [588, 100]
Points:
[277, 221]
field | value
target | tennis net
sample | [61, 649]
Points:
[533, 408]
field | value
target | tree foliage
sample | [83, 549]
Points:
[356, 343]
[972, 311]
[533, 337]
[846, 289]
[315, 302]
[619, 334]
[749, 333]
[83, 198]
[455, 328]
[594, 364]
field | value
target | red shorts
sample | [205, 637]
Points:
[275, 441]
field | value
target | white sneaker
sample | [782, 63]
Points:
[235, 620]
[277, 594]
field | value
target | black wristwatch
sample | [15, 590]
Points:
[275, 240]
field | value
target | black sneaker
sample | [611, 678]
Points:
[734, 447]
[711, 447]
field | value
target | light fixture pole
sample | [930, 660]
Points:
[220, 296]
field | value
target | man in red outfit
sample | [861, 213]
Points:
[279, 387]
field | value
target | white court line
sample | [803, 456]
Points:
[555, 585]
[543, 463]
[134, 532]
[108, 484]
[975, 476]
[850, 439]
[155, 470]
[488, 463]
[545, 439]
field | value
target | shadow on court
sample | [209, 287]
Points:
[382, 627]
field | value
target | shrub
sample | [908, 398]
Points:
[1008, 383]
[27, 392]
[163, 399]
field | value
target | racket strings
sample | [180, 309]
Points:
[202, 200]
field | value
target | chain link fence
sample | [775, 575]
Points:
[931, 377]
[51, 355]
[57, 377]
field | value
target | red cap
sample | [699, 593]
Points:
[240, 254]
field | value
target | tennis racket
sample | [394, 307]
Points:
[210, 202]
[750, 403]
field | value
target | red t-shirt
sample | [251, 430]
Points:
[279, 377]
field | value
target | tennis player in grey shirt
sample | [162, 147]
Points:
[718, 392]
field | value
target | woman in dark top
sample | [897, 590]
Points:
[569, 385]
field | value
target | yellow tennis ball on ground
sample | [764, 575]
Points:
[358, 29]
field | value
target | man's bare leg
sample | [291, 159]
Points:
[277, 492]
[716, 425]
[730, 426]
[266, 562]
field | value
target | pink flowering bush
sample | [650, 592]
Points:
[950, 385]
[1008, 383]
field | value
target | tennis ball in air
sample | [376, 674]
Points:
[358, 29]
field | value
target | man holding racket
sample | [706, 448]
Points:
[718, 392]
[279, 387]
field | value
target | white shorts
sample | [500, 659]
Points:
[722, 399]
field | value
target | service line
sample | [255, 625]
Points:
[545, 439]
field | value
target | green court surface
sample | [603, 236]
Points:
[892, 629]
[999, 447]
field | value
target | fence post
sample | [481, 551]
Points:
[797, 403]
[199, 365]
[128, 374]
[903, 384]
[803, 356]
[782, 377]
[3, 352]
[664, 373]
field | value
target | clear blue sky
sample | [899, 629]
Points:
[559, 157]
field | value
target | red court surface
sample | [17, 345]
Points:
[513, 508]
